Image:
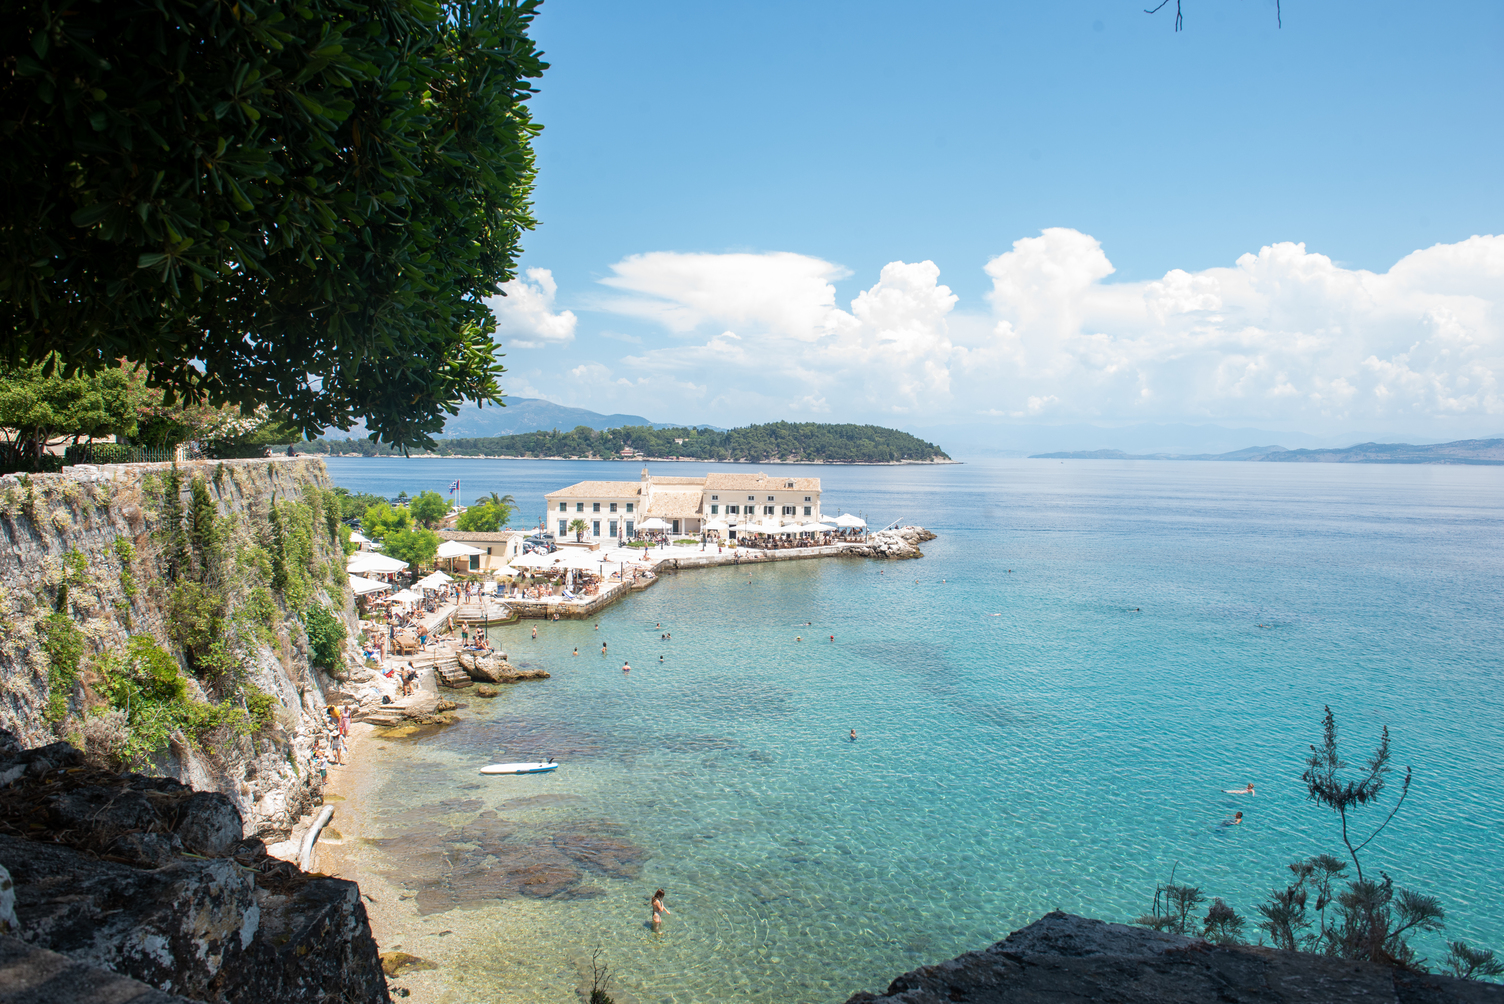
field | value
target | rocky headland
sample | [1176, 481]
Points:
[1065, 959]
[899, 542]
[115, 877]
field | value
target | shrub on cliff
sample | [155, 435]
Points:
[145, 684]
[326, 637]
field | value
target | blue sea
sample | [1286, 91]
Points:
[1049, 706]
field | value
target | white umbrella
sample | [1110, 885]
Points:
[815, 528]
[575, 558]
[435, 580]
[653, 524]
[356, 537]
[407, 596]
[361, 586]
[533, 559]
[717, 524]
[454, 549]
[846, 519]
[366, 561]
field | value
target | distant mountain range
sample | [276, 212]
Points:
[1464, 451]
[530, 414]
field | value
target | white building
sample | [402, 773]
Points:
[613, 509]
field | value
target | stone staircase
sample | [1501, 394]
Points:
[482, 612]
[447, 671]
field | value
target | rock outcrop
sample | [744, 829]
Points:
[148, 879]
[489, 668]
[1064, 959]
[900, 542]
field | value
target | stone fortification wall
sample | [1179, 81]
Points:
[110, 577]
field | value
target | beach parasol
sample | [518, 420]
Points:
[362, 586]
[454, 549]
[653, 523]
[362, 562]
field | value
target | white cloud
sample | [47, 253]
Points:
[525, 317]
[1283, 337]
[784, 293]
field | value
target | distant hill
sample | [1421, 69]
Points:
[777, 442]
[530, 414]
[1464, 451]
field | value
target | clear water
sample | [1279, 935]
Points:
[1048, 706]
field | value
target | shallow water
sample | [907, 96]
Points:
[1048, 706]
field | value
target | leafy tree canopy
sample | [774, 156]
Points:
[416, 547]
[295, 203]
[429, 508]
[380, 519]
[37, 405]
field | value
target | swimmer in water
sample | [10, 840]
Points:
[535, 634]
[660, 658]
[577, 650]
[603, 648]
[853, 735]
[658, 909]
[1237, 819]
[626, 667]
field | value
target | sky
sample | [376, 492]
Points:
[1005, 216]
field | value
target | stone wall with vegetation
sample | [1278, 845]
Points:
[187, 621]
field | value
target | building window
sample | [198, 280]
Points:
[612, 528]
[714, 498]
[807, 510]
[767, 510]
[751, 498]
[563, 506]
[563, 528]
[595, 528]
[770, 498]
[613, 509]
[676, 526]
[595, 507]
[474, 562]
[732, 510]
[629, 527]
[808, 499]
[488, 552]
[788, 510]
[579, 507]
[629, 507]
[715, 510]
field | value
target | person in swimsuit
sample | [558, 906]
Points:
[658, 909]
[853, 735]
[626, 667]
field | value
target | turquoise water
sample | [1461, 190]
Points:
[1048, 706]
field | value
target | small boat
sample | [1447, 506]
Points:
[520, 768]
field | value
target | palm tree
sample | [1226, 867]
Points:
[579, 527]
[504, 505]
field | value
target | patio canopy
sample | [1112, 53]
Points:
[356, 537]
[362, 562]
[435, 580]
[717, 524]
[846, 519]
[533, 559]
[653, 524]
[454, 549]
[407, 596]
[362, 586]
[816, 528]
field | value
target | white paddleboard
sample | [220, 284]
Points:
[518, 768]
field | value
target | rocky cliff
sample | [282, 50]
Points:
[1064, 959]
[168, 619]
[146, 878]
[899, 542]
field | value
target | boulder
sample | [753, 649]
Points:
[486, 690]
[1065, 959]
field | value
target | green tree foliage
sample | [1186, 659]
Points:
[416, 547]
[37, 405]
[326, 637]
[429, 508]
[578, 528]
[381, 519]
[488, 514]
[1468, 963]
[786, 441]
[241, 197]
[353, 505]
